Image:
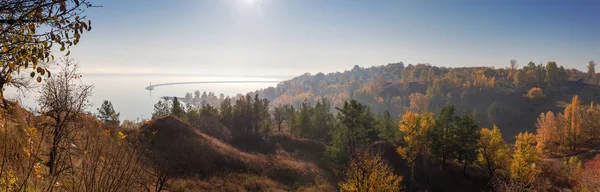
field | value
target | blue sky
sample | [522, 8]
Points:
[290, 37]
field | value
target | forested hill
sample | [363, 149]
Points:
[511, 97]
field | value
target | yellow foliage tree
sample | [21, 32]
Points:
[546, 126]
[592, 126]
[523, 168]
[415, 128]
[493, 152]
[29, 30]
[573, 118]
[368, 172]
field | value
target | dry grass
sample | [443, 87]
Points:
[235, 182]
[91, 159]
[208, 159]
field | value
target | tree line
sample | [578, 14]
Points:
[422, 138]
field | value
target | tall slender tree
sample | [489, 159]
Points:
[278, 116]
[573, 118]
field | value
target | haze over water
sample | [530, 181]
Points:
[129, 97]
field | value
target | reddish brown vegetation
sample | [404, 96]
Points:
[187, 153]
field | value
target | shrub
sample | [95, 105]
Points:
[590, 177]
[535, 94]
[368, 172]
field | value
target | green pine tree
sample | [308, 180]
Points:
[107, 114]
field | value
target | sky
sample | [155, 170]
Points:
[291, 37]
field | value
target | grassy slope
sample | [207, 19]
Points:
[217, 162]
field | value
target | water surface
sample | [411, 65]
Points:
[133, 101]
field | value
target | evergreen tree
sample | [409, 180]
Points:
[467, 136]
[387, 128]
[278, 116]
[290, 117]
[443, 140]
[265, 119]
[209, 123]
[355, 129]
[177, 109]
[303, 124]
[107, 114]
[162, 108]
[226, 113]
[322, 120]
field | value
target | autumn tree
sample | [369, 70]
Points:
[573, 120]
[29, 29]
[535, 94]
[591, 123]
[107, 114]
[519, 78]
[368, 172]
[377, 85]
[525, 157]
[415, 128]
[64, 101]
[418, 102]
[493, 152]
[547, 138]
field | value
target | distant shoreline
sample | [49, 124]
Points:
[277, 77]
